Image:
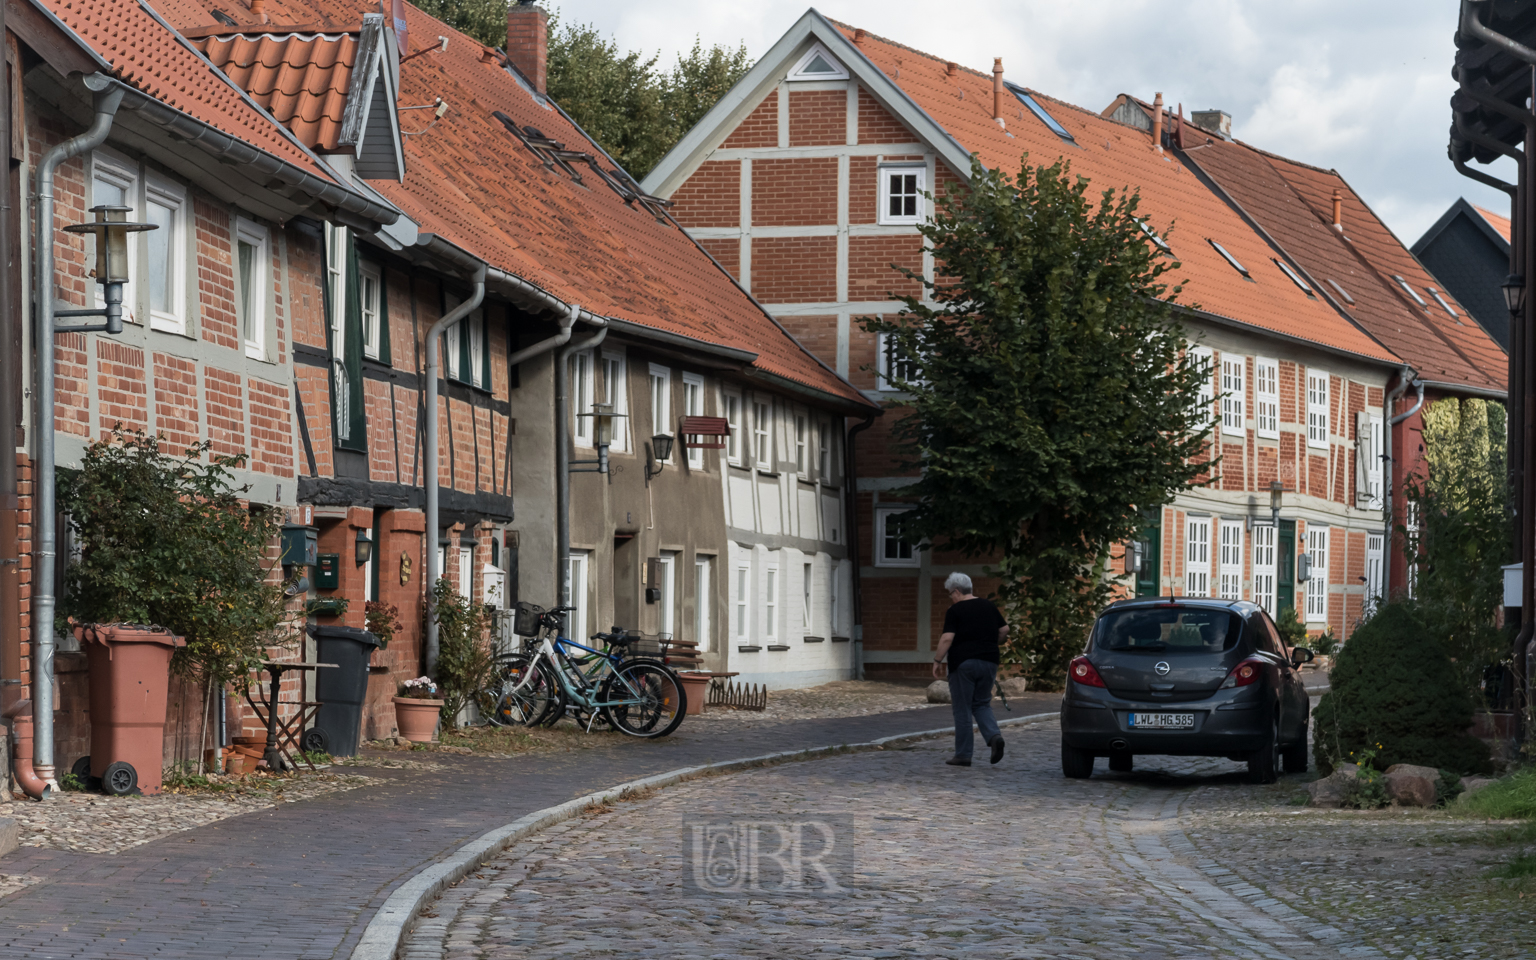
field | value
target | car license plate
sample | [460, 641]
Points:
[1162, 721]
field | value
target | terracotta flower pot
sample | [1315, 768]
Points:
[130, 680]
[235, 763]
[417, 719]
[695, 690]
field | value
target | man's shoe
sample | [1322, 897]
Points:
[997, 748]
[958, 762]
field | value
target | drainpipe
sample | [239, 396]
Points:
[851, 494]
[563, 454]
[1404, 379]
[107, 95]
[429, 473]
[24, 773]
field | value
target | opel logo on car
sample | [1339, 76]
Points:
[1162, 668]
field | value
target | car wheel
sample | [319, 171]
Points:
[1121, 762]
[1295, 755]
[1264, 763]
[1076, 764]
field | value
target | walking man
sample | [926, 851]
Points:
[973, 634]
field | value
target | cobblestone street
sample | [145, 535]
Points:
[1180, 859]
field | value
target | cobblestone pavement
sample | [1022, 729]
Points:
[1181, 859]
[844, 698]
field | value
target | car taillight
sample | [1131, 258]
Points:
[1243, 674]
[1083, 672]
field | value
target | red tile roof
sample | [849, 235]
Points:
[471, 182]
[301, 79]
[1112, 155]
[1501, 224]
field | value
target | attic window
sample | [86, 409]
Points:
[1410, 291]
[1229, 258]
[1342, 292]
[1040, 112]
[1162, 244]
[1442, 301]
[818, 64]
[1295, 277]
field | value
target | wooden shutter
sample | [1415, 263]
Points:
[1363, 496]
[353, 360]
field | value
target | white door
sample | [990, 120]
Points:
[667, 577]
[702, 600]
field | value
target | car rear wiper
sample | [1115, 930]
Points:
[1156, 647]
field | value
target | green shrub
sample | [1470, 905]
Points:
[1292, 630]
[464, 657]
[1393, 690]
[1511, 798]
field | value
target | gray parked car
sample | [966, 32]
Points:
[1186, 677]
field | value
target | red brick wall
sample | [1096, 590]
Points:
[176, 407]
[760, 128]
[876, 125]
[870, 274]
[794, 269]
[794, 193]
[71, 387]
[818, 118]
[122, 387]
[306, 265]
[817, 334]
[890, 612]
[727, 252]
[863, 189]
[711, 197]
[226, 412]
[271, 427]
[215, 276]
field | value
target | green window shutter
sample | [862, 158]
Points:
[384, 356]
[463, 329]
[485, 352]
[354, 353]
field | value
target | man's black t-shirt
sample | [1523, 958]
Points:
[974, 623]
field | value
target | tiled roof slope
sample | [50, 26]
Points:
[301, 79]
[149, 57]
[1251, 180]
[1501, 224]
[470, 182]
[1379, 247]
[1115, 156]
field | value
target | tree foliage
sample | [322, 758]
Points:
[485, 20]
[464, 657]
[167, 540]
[1051, 398]
[1461, 532]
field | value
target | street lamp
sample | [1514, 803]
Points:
[364, 545]
[111, 229]
[661, 446]
[603, 417]
[1514, 293]
[1276, 491]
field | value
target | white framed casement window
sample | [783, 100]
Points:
[370, 295]
[576, 595]
[1266, 398]
[693, 406]
[336, 287]
[802, 442]
[1375, 451]
[115, 181]
[165, 206]
[616, 392]
[253, 264]
[1230, 560]
[771, 603]
[581, 396]
[1202, 360]
[666, 576]
[703, 598]
[1197, 557]
[733, 423]
[1264, 567]
[890, 549]
[470, 332]
[805, 601]
[762, 438]
[901, 193]
[890, 367]
[823, 450]
[1234, 370]
[743, 601]
[466, 571]
[1374, 542]
[1317, 408]
[1317, 583]
[661, 399]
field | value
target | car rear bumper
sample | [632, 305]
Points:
[1231, 723]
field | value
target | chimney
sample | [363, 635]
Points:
[528, 41]
[1157, 122]
[951, 69]
[858, 35]
[1218, 122]
[997, 90]
[259, 10]
[1338, 210]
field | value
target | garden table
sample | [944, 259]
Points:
[283, 735]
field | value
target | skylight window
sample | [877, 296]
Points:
[1342, 292]
[1442, 301]
[1152, 234]
[1306, 288]
[1040, 112]
[1410, 291]
[1229, 258]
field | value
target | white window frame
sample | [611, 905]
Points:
[762, 434]
[807, 588]
[1264, 567]
[336, 281]
[883, 543]
[1204, 359]
[1230, 560]
[616, 392]
[1266, 398]
[771, 602]
[733, 441]
[693, 406]
[1234, 393]
[886, 172]
[824, 450]
[576, 598]
[1197, 556]
[702, 601]
[1319, 385]
[743, 600]
[1374, 557]
[1374, 452]
[1317, 582]
[371, 308]
[834, 596]
[252, 303]
[660, 383]
[666, 572]
[466, 571]
[123, 175]
[884, 366]
[173, 197]
[802, 443]
[581, 393]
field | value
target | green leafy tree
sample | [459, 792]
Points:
[1461, 533]
[1051, 398]
[485, 20]
[464, 658]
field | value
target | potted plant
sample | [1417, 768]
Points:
[382, 620]
[417, 708]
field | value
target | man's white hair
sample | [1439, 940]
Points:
[958, 581]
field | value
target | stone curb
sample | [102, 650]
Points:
[381, 938]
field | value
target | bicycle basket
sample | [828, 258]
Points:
[647, 647]
[525, 622]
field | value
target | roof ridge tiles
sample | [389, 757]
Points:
[983, 74]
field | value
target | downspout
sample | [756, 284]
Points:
[107, 96]
[563, 454]
[850, 492]
[1404, 378]
[429, 473]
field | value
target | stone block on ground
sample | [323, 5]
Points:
[938, 691]
[10, 835]
[1013, 687]
[1470, 785]
[1409, 789]
[1432, 773]
[1330, 791]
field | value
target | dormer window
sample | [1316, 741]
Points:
[818, 64]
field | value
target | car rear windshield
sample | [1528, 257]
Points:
[1171, 629]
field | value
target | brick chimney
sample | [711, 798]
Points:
[997, 90]
[1157, 122]
[528, 41]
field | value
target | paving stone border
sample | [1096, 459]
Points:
[382, 938]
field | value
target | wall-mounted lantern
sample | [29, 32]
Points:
[1276, 494]
[660, 446]
[1514, 293]
[111, 229]
[364, 545]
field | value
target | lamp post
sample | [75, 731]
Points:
[661, 447]
[111, 229]
[1276, 492]
[602, 437]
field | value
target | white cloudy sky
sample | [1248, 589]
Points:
[1358, 85]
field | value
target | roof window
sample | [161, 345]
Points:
[1306, 288]
[1342, 292]
[1029, 101]
[1410, 291]
[818, 64]
[1442, 301]
[1229, 258]
[1146, 228]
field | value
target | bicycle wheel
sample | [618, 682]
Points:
[503, 703]
[646, 699]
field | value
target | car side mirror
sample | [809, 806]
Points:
[1301, 655]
